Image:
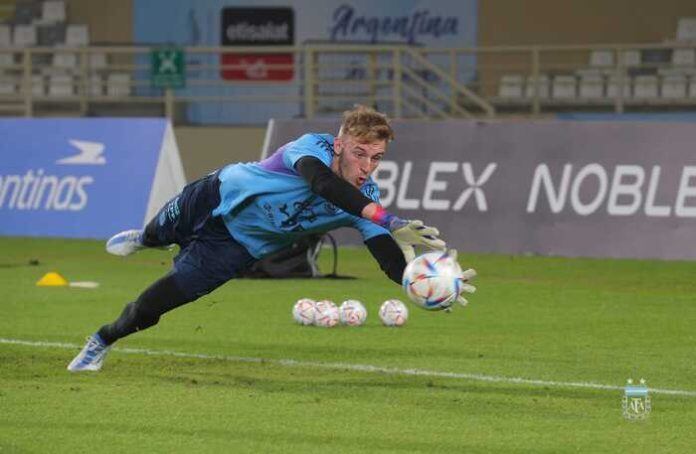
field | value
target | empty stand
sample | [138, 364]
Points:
[591, 86]
[77, 35]
[674, 86]
[542, 86]
[61, 85]
[564, 87]
[686, 29]
[24, 36]
[645, 87]
[613, 87]
[602, 59]
[5, 35]
[53, 11]
[118, 85]
[684, 57]
[511, 86]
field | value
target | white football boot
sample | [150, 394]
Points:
[92, 355]
[125, 243]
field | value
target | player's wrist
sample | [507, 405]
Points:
[377, 214]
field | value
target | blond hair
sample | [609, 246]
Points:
[366, 125]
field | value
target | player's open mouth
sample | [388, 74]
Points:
[361, 180]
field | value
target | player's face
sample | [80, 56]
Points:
[355, 161]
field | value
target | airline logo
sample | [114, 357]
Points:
[39, 190]
[89, 153]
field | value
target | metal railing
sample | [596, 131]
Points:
[226, 84]
[555, 78]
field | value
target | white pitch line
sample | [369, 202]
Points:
[356, 367]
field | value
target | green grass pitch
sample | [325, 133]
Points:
[250, 380]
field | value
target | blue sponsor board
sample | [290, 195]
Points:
[78, 178]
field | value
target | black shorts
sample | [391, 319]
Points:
[209, 255]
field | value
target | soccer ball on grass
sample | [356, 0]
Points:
[326, 314]
[393, 313]
[304, 311]
[352, 313]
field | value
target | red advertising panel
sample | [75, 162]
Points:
[257, 27]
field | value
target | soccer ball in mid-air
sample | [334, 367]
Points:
[393, 313]
[433, 280]
[352, 313]
[325, 314]
[303, 311]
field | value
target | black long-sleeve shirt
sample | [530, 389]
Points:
[324, 182]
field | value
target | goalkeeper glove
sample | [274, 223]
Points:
[466, 276]
[409, 234]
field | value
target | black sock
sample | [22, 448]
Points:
[161, 297]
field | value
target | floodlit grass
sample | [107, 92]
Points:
[552, 319]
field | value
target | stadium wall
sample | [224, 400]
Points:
[552, 22]
[500, 22]
[204, 149]
[110, 21]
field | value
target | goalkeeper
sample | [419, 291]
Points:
[243, 212]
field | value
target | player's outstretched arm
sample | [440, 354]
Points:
[406, 233]
[324, 182]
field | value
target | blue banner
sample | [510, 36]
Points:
[230, 23]
[79, 178]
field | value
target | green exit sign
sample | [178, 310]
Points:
[168, 67]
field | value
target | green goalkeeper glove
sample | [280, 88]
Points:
[466, 276]
[409, 234]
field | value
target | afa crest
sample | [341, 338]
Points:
[636, 402]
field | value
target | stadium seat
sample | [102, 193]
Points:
[677, 71]
[50, 35]
[591, 86]
[52, 11]
[24, 36]
[65, 60]
[97, 61]
[118, 84]
[511, 86]
[61, 85]
[613, 87]
[602, 59]
[684, 57]
[686, 29]
[692, 87]
[96, 85]
[8, 84]
[564, 87]
[645, 87]
[5, 35]
[77, 35]
[630, 58]
[542, 84]
[12, 84]
[6, 59]
[25, 12]
[674, 87]
[38, 88]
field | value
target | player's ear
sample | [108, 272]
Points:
[338, 145]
